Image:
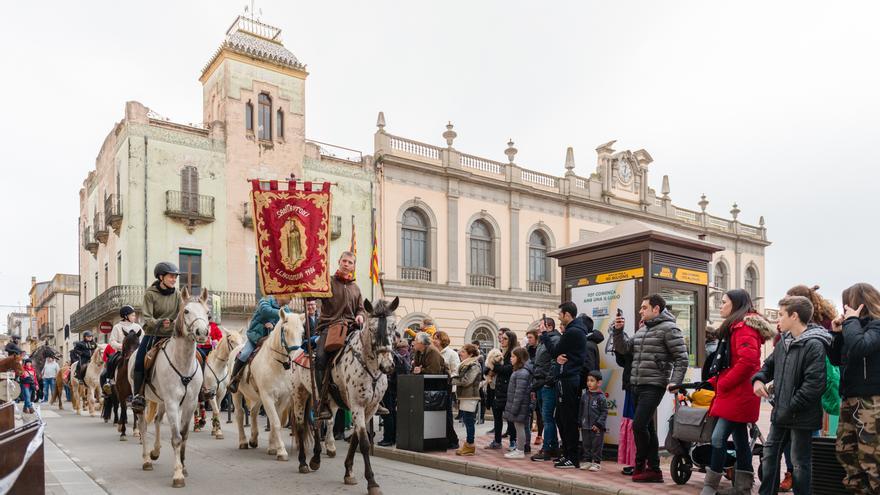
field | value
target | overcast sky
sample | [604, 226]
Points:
[773, 105]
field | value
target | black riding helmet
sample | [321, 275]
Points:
[88, 333]
[164, 268]
[125, 311]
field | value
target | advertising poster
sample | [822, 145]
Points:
[600, 302]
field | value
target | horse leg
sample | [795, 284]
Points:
[372, 486]
[184, 433]
[349, 460]
[174, 423]
[253, 441]
[216, 430]
[315, 461]
[123, 420]
[239, 421]
[276, 445]
[147, 462]
[329, 439]
[157, 445]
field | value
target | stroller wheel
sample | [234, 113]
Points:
[680, 469]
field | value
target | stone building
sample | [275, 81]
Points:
[163, 190]
[53, 303]
[465, 238]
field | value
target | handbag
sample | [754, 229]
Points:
[693, 424]
[335, 339]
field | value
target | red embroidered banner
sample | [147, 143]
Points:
[293, 238]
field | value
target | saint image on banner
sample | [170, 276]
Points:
[293, 244]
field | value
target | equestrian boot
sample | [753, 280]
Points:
[323, 378]
[236, 374]
[138, 403]
[382, 410]
[710, 485]
[743, 481]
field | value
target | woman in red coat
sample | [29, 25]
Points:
[735, 405]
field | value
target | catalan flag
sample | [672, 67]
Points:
[353, 248]
[374, 257]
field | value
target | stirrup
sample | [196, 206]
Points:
[324, 411]
[138, 403]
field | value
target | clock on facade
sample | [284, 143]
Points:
[625, 172]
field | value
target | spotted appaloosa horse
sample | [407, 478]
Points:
[360, 372]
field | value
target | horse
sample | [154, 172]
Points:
[39, 357]
[175, 381]
[121, 388]
[266, 382]
[217, 370]
[13, 364]
[92, 380]
[60, 382]
[360, 373]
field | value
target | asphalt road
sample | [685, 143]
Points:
[218, 466]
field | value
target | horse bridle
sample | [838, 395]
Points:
[360, 358]
[288, 348]
[208, 365]
[188, 326]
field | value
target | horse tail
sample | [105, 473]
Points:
[150, 413]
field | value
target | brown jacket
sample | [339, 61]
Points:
[431, 361]
[345, 303]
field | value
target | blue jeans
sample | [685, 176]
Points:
[246, 351]
[48, 387]
[547, 401]
[26, 395]
[469, 419]
[786, 451]
[723, 430]
[801, 458]
[146, 344]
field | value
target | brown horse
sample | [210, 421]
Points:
[58, 393]
[122, 389]
[11, 363]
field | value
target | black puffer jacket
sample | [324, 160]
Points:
[502, 370]
[574, 345]
[82, 351]
[12, 349]
[797, 370]
[658, 351]
[857, 351]
[543, 362]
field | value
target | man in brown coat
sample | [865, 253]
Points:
[428, 360]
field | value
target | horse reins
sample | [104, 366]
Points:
[208, 365]
[288, 348]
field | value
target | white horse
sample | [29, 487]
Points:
[360, 373]
[217, 371]
[92, 380]
[266, 381]
[175, 381]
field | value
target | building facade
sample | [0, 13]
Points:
[53, 302]
[465, 238]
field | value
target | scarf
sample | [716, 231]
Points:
[164, 292]
[343, 277]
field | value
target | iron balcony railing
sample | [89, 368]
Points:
[415, 273]
[539, 286]
[113, 211]
[90, 244]
[189, 206]
[481, 280]
[101, 232]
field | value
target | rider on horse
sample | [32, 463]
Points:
[82, 353]
[12, 347]
[161, 307]
[264, 319]
[125, 326]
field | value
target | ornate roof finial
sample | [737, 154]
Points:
[735, 211]
[510, 151]
[449, 135]
[665, 188]
[380, 121]
[703, 203]
[761, 221]
[569, 161]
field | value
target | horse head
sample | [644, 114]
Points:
[130, 344]
[192, 322]
[290, 328]
[98, 355]
[230, 341]
[382, 325]
[14, 363]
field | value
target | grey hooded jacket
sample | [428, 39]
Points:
[797, 369]
[658, 351]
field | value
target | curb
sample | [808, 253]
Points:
[503, 475]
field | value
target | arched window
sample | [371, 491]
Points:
[751, 284]
[189, 189]
[722, 279]
[414, 246]
[485, 337]
[249, 116]
[482, 269]
[539, 273]
[265, 117]
[279, 122]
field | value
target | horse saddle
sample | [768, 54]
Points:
[303, 360]
[257, 348]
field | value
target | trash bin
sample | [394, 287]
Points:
[421, 412]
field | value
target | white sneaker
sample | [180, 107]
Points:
[594, 467]
[585, 466]
[515, 454]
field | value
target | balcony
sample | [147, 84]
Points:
[90, 244]
[101, 232]
[113, 212]
[45, 332]
[415, 273]
[481, 280]
[539, 286]
[191, 209]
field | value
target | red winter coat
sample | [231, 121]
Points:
[734, 397]
[108, 351]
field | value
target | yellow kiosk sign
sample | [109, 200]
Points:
[680, 274]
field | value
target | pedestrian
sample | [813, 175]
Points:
[797, 369]
[626, 446]
[441, 341]
[736, 360]
[467, 382]
[28, 380]
[481, 357]
[532, 342]
[518, 408]
[389, 400]
[594, 338]
[570, 353]
[856, 349]
[502, 369]
[660, 360]
[545, 389]
[50, 371]
[427, 360]
[427, 325]
[592, 416]
[12, 347]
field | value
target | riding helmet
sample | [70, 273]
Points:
[165, 268]
[87, 333]
[125, 311]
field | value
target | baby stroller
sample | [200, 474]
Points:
[690, 435]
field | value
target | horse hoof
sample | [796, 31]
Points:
[219, 436]
[315, 465]
[331, 454]
[272, 451]
[304, 469]
[374, 490]
[252, 443]
[123, 438]
[154, 455]
[178, 483]
[148, 466]
[243, 446]
[349, 480]
[106, 420]
[281, 457]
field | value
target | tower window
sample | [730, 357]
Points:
[280, 123]
[249, 116]
[265, 117]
